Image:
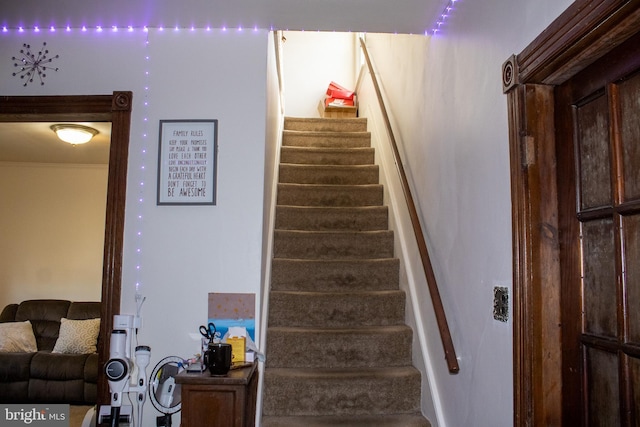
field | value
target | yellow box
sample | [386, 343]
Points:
[238, 348]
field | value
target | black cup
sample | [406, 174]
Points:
[217, 358]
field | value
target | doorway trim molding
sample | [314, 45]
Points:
[115, 108]
[585, 32]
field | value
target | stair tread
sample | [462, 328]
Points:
[329, 133]
[335, 208]
[331, 174]
[358, 218]
[295, 138]
[330, 186]
[290, 120]
[320, 233]
[343, 294]
[309, 155]
[334, 274]
[330, 194]
[341, 150]
[362, 373]
[333, 244]
[330, 260]
[341, 391]
[328, 166]
[332, 232]
[341, 260]
[391, 420]
[326, 309]
[382, 329]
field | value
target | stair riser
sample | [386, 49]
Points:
[328, 276]
[364, 395]
[393, 420]
[330, 219]
[303, 195]
[325, 125]
[323, 245]
[335, 310]
[327, 156]
[365, 348]
[331, 175]
[326, 139]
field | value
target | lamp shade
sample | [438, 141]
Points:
[74, 134]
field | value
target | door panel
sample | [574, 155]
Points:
[629, 94]
[635, 388]
[631, 227]
[599, 286]
[602, 385]
[599, 209]
[592, 127]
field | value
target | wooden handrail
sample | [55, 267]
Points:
[441, 318]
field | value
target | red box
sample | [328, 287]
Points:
[336, 91]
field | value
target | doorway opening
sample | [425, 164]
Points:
[116, 109]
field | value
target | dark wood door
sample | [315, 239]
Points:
[598, 154]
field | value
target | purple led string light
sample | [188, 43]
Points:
[115, 28]
[142, 170]
[446, 13]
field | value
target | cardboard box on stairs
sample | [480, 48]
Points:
[330, 109]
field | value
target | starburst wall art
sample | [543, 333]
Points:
[33, 65]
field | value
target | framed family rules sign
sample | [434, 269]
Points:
[187, 162]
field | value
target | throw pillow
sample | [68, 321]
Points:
[17, 337]
[77, 336]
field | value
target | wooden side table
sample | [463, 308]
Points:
[228, 401]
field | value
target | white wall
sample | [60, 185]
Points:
[52, 226]
[446, 102]
[177, 254]
[312, 60]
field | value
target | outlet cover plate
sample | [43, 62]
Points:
[501, 303]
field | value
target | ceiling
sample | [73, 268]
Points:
[37, 143]
[374, 16]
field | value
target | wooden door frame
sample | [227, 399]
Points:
[585, 32]
[115, 108]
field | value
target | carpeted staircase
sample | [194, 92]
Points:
[338, 350]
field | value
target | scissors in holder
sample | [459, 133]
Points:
[209, 331]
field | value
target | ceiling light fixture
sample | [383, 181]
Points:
[74, 134]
